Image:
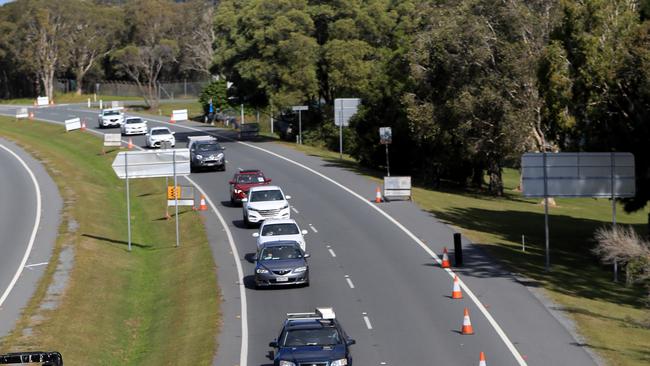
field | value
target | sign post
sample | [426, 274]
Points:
[299, 109]
[606, 175]
[344, 109]
[385, 138]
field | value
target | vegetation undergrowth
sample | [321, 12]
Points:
[151, 306]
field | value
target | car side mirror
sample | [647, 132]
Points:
[231, 182]
[173, 132]
[256, 235]
[304, 232]
[350, 341]
[255, 258]
[273, 344]
[287, 197]
[268, 180]
[307, 255]
[223, 148]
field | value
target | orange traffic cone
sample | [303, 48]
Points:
[171, 119]
[378, 195]
[467, 325]
[83, 125]
[203, 206]
[481, 360]
[445, 258]
[31, 115]
[455, 292]
[130, 145]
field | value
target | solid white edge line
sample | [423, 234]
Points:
[37, 222]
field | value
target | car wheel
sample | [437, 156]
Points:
[246, 222]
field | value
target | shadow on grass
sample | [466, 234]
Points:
[574, 270]
[120, 242]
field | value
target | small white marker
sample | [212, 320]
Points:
[332, 253]
[347, 278]
[35, 264]
[313, 228]
[367, 320]
[294, 210]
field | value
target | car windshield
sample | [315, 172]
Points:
[250, 178]
[160, 132]
[208, 147]
[311, 337]
[133, 120]
[280, 229]
[260, 196]
[280, 252]
[111, 113]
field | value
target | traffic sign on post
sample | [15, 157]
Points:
[344, 109]
[299, 109]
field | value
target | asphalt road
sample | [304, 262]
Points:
[27, 234]
[373, 266]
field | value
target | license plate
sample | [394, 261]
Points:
[282, 279]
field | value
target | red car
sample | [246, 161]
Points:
[243, 181]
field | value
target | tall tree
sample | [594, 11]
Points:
[198, 37]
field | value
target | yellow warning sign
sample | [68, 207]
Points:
[173, 193]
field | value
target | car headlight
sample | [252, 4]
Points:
[285, 206]
[289, 363]
[261, 270]
[199, 156]
[237, 191]
[220, 156]
[251, 209]
[300, 269]
[341, 362]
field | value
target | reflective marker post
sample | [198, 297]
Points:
[128, 199]
[176, 198]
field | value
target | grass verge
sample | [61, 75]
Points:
[194, 109]
[611, 317]
[156, 305]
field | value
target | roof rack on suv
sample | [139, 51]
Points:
[319, 313]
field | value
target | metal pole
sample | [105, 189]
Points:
[271, 118]
[166, 205]
[387, 161]
[185, 87]
[242, 114]
[341, 132]
[300, 127]
[548, 258]
[175, 198]
[128, 200]
[611, 158]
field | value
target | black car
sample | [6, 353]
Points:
[281, 263]
[314, 339]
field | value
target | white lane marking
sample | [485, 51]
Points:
[367, 320]
[329, 248]
[313, 228]
[37, 222]
[347, 278]
[294, 210]
[36, 264]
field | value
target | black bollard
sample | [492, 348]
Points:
[458, 250]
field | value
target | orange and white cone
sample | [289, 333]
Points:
[467, 324]
[445, 258]
[378, 195]
[31, 115]
[171, 119]
[83, 125]
[203, 206]
[481, 360]
[130, 145]
[455, 292]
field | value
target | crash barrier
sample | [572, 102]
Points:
[179, 115]
[41, 101]
[43, 358]
[397, 188]
[22, 113]
[72, 124]
[248, 130]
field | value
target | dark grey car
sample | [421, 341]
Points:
[281, 263]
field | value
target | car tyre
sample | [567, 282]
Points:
[246, 222]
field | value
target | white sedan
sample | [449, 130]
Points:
[280, 229]
[158, 135]
[134, 126]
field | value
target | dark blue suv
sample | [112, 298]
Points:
[312, 339]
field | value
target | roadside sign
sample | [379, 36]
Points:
[344, 109]
[112, 139]
[578, 174]
[385, 135]
[72, 124]
[22, 113]
[184, 195]
[173, 193]
[179, 115]
[116, 104]
[397, 187]
[152, 164]
[41, 101]
[297, 108]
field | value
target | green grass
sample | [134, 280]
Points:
[69, 98]
[157, 305]
[612, 318]
[194, 109]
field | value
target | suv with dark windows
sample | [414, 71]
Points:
[312, 339]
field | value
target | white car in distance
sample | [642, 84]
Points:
[158, 135]
[112, 117]
[265, 202]
[280, 229]
[134, 126]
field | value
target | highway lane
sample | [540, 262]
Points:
[29, 219]
[403, 296]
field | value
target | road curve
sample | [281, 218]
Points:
[385, 287]
[29, 217]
